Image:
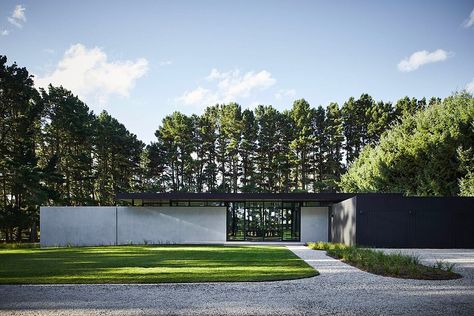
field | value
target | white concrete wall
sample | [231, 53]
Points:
[84, 226]
[81, 226]
[314, 224]
[173, 224]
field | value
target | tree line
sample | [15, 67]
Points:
[230, 149]
[428, 153]
[55, 151]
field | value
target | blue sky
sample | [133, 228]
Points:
[142, 60]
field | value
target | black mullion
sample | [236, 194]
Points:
[299, 223]
[245, 221]
[281, 221]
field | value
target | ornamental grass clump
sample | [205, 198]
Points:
[394, 265]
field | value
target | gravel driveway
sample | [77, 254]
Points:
[340, 289]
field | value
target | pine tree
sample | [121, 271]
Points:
[247, 152]
[208, 128]
[118, 155]
[319, 149]
[301, 113]
[68, 137]
[20, 112]
[333, 130]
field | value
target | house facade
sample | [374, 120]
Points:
[380, 220]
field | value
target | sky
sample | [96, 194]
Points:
[143, 60]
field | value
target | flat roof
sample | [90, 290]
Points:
[229, 197]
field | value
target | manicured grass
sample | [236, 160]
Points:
[395, 265]
[150, 264]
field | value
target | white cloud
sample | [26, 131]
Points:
[470, 21]
[285, 93]
[199, 96]
[88, 73]
[421, 58]
[5, 32]
[228, 87]
[470, 86]
[18, 17]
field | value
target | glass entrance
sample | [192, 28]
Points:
[263, 221]
[272, 218]
[255, 227]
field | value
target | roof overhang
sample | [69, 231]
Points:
[235, 197]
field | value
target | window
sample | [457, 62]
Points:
[263, 221]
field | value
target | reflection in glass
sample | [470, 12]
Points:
[258, 221]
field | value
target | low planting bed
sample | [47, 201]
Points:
[150, 264]
[394, 265]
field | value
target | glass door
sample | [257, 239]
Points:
[236, 221]
[290, 224]
[263, 221]
[272, 221]
[254, 220]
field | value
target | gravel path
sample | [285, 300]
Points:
[340, 289]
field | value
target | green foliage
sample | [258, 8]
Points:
[151, 264]
[247, 152]
[466, 166]
[20, 176]
[19, 245]
[442, 265]
[429, 153]
[394, 264]
[117, 154]
[67, 139]
[303, 120]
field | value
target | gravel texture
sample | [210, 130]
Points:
[340, 289]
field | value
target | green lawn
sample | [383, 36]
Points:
[150, 264]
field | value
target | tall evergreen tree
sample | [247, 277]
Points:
[231, 129]
[208, 128]
[319, 148]
[379, 118]
[333, 131]
[407, 107]
[301, 113]
[176, 134]
[20, 176]
[118, 155]
[284, 155]
[68, 137]
[248, 149]
[267, 119]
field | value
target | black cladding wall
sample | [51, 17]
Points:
[394, 221]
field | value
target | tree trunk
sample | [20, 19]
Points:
[33, 232]
[18, 235]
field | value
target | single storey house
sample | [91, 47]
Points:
[369, 219]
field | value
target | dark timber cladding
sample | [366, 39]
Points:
[404, 222]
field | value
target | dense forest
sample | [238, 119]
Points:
[55, 151]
